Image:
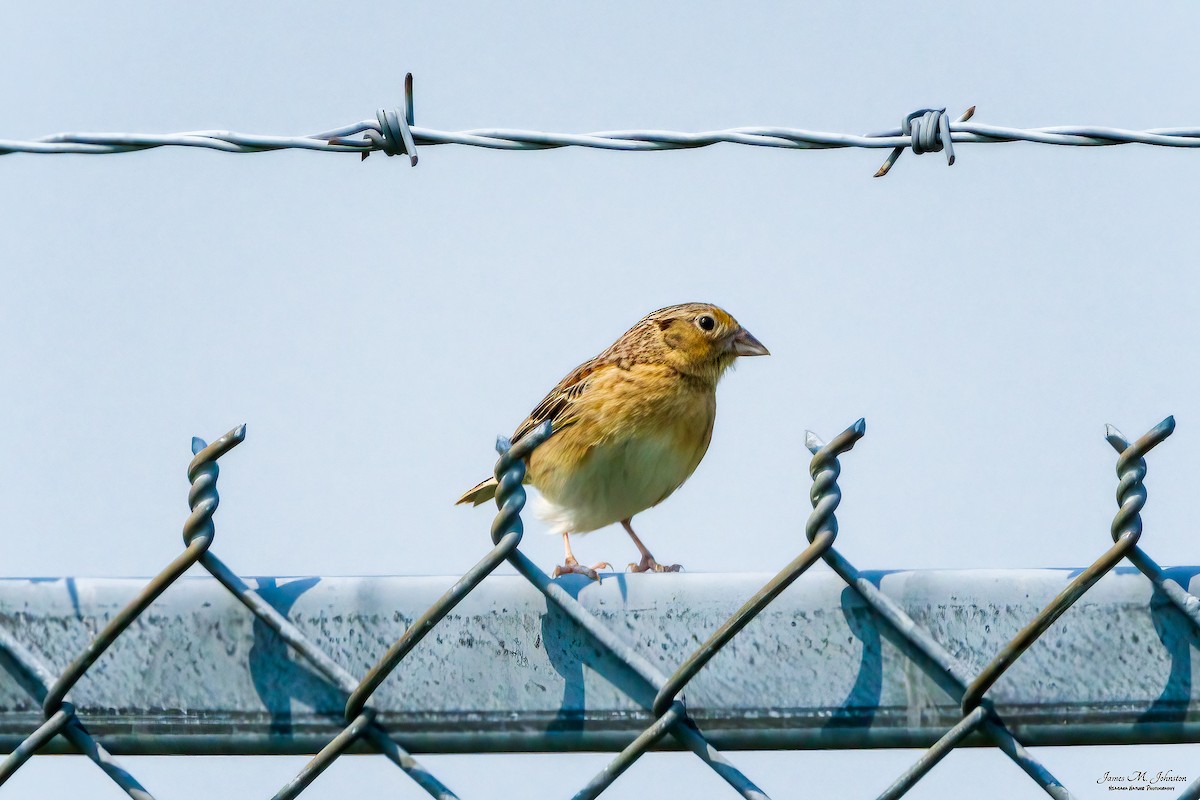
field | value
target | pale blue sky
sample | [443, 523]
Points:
[377, 325]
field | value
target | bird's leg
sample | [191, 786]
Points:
[571, 565]
[647, 564]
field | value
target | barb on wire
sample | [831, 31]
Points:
[394, 136]
[930, 134]
[394, 132]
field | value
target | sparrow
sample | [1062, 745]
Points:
[630, 425]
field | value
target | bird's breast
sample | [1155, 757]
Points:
[622, 456]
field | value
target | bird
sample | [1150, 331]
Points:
[630, 426]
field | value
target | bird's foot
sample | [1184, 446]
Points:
[648, 564]
[573, 566]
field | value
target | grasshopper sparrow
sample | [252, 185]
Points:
[631, 425]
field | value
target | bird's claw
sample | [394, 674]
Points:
[573, 566]
[648, 564]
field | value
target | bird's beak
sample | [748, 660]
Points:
[744, 344]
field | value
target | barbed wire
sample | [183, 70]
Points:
[393, 132]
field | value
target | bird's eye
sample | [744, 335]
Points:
[706, 323]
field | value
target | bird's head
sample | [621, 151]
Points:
[698, 339]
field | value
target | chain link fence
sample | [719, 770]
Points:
[669, 707]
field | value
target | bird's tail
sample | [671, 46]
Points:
[480, 493]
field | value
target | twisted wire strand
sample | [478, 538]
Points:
[510, 479]
[393, 132]
[1126, 530]
[927, 653]
[340, 141]
[60, 715]
[510, 499]
[1131, 472]
[1180, 597]
[668, 707]
[198, 533]
[1131, 498]
[825, 464]
[202, 473]
[825, 494]
[507, 532]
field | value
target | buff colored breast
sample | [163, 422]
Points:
[629, 449]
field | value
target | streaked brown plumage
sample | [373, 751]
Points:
[631, 424]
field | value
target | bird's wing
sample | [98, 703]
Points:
[559, 406]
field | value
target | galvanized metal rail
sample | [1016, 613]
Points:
[572, 665]
[394, 132]
[506, 671]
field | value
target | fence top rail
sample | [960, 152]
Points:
[524, 678]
